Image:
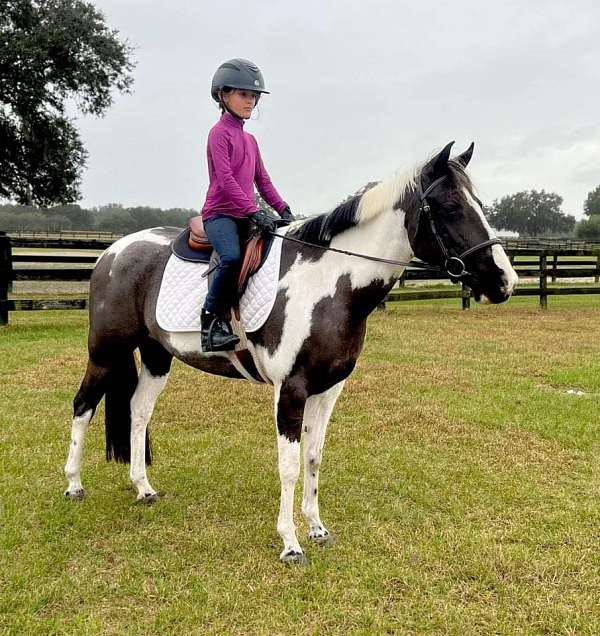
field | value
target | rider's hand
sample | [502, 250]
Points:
[263, 221]
[286, 216]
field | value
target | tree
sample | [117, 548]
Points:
[118, 221]
[79, 218]
[52, 51]
[591, 205]
[589, 229]
[531, 213]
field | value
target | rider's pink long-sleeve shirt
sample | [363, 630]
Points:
[234, 166]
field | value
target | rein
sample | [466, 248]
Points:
[377, 259]
[454, 266]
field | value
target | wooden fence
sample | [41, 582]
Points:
[65, 234]
[9, 273]
[545, 265]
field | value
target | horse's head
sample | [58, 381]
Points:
[446, 227]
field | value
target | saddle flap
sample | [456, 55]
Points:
[251, 260]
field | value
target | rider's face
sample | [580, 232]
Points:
[241, 102]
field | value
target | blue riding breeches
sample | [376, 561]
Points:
[226, 234]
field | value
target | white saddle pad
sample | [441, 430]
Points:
[183, 290]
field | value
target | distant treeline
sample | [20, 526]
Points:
[113, 217]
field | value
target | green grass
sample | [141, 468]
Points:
[460, 479]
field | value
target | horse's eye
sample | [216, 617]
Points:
[451, 209]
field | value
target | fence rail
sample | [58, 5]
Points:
[65, 234]
[546, 265]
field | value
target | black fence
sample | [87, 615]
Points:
[542, 265]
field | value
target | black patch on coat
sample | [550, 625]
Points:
[329, 353]
[270, 337]
[92, 389]
[155, 357]
[290, 408]
[337, 333]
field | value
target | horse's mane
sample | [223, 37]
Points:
[387, 194]
[322, 228]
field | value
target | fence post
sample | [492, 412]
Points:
[466, 296]
[597, 268]
[543, 281]
[5, 276]
[554, 266]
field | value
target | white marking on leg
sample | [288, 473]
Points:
[142, 405]
[317, 412]
[73, 465]
[289, 470]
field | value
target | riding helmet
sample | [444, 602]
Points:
[237, 73]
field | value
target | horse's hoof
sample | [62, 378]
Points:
[75, 495]
[321, 536]
[322, 539]
[148, 498]
[294, 557]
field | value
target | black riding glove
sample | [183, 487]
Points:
[286, 216]
[263, 221]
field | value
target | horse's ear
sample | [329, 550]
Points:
[465, 157]
[438, 166]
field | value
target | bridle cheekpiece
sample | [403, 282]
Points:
[454, 265]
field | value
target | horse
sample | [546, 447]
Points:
[312, 337]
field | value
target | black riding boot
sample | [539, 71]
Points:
[216, 333]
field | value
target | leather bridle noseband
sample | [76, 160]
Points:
[454, 265]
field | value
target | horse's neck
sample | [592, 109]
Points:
[383, 236]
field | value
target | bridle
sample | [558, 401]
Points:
[454, 266]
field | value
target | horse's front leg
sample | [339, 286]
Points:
[317, 412]
[290, 398]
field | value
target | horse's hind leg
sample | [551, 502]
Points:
[84, 406]
[156, 363]
[317, 412]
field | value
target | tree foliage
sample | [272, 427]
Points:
[589, 229]
[109, 218]
[52, 52]
[591, 205]
[531, 213]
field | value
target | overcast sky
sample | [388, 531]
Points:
[359, 91]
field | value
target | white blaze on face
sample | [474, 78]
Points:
[500, 258]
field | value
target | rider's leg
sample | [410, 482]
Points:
[224, 235]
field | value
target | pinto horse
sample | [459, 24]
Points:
[313, 336]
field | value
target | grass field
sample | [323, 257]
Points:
[460, 477]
